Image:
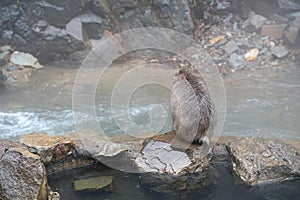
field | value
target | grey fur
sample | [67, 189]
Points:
[192, 109]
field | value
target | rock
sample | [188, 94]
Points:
[293, 14]
[275, 30]
[39, 27]
[289, 4]
[278, 18]
[255, 20]
[236, 61]
[292, 34]
[159, 157]
[22, 176]
[180, 185]
[220, 154]
[53, 196]
[216, 39]
[17, 75]
[6, 144]
[259, 161]
[243, 43]
[251, 54]
[4, 57]
[258, 21]
[76, 160]
[80, 25]
[230, 47]
[25, 59]
[279, 51]
[49, 148]
[92, 183]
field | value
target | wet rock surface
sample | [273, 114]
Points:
[165, 169]
[50, 148]
[259, 161]
[159, 156]
[22, 176]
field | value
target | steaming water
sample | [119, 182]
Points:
[15, 123]
[263, 103]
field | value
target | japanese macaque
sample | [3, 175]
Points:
[192, 109]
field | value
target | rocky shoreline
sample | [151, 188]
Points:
[25, 164]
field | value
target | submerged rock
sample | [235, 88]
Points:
[259, 161]
[92, 183]
[22, 176]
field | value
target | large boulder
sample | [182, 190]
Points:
[259, 161]
[22, 176]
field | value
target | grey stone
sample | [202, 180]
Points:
[278, 18]
[236, 61]
[293, 31]
[255, 20]
[289, 4]
[38, 27]
[279, 51]
[75, 26]
[161, 158]
[258, 21]
[22, 176]
[259, 161]
[230, 47]
[294, 14]
[243, 43]
[4, 56]
[25, 59]
[42, 24]
[257, 41]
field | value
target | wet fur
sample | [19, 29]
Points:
[192, 109]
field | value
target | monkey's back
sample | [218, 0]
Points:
[191, 106]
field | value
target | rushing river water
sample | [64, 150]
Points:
[262, 103]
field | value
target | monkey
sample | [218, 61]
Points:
[193, 112]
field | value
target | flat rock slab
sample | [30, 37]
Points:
[25, 59]
[259, 161]
[159, 157]
[92, 183]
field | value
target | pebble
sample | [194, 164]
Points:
[216, 39]
[252, 54]
[236, 60]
